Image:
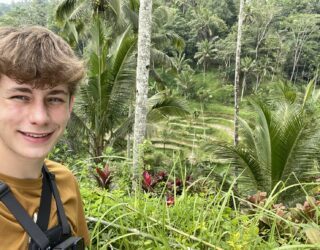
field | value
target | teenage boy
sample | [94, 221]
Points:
[39, 74]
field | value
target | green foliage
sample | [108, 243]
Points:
[198, 221]
[205, 52]
[31, 12]
[4, 8]
[281, 145]
[148, 222]
[279, 140]
[103, 100]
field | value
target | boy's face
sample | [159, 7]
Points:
[31, 120]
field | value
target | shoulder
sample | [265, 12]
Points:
[61, 172]
[65, 180]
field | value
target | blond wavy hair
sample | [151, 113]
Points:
[36, 56]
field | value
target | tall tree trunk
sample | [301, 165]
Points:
[143, 65]
[204, 72]
[237, 78]
[295, 62]
[129, 133]
[243, 85]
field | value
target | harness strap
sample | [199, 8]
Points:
[23, 217]
[45, 203]
[62, 216]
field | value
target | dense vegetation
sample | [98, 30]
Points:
[197, 190]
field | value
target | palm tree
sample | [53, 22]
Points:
[236, 81]
[205, 24]
[162, 38]
[205, 53]
[143, 65]
[101, 108]
[75, 18]
[186, 85]
[103, 99]
[280, 146]
[180, 63]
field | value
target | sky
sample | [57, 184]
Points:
[8, 1]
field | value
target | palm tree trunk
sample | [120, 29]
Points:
[243, 86]
[295, 62]
[143, 65]
[129, 133]
[237, 75]
[204, 72]
[202, 114]
[236, 79]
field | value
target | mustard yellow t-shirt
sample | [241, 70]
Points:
[28, 192]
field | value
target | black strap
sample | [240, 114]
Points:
[23, 217]
[61, 214]
[45, 203]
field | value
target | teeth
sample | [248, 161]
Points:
[36, 135]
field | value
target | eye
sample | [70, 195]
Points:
[55, 100]
[20, 98]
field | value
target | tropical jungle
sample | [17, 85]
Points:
[228, 153]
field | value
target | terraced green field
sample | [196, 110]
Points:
[209, 121]
[189, 133]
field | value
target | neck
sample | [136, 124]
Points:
[20, 167]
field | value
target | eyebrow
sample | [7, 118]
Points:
[29, 91]
[20, 89]
[58, 92]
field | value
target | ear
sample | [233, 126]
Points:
[71, 103]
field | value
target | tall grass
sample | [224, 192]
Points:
[211, 219]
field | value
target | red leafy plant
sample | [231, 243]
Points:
[170, 200]
[258, 199]
[104, 177]
[177, 185]
[279, 209]
[149, 181]
[301, 213]
[307, 210]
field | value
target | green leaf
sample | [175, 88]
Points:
[308, 93]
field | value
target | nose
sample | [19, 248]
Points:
[39, 113]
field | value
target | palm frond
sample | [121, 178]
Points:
[81, 12]
[168, 38]
[115, 6]
[264, 132]
[65, 8]
[158, 57]
[244, 159]
[131, 16]
[123, 129]
[308, 93]
[300, 138]
[160, 16]
[77, 126]
[123, 74]
[281, 147]
[161, 106]
[71, 30]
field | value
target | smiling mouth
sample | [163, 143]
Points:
[36, 135]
